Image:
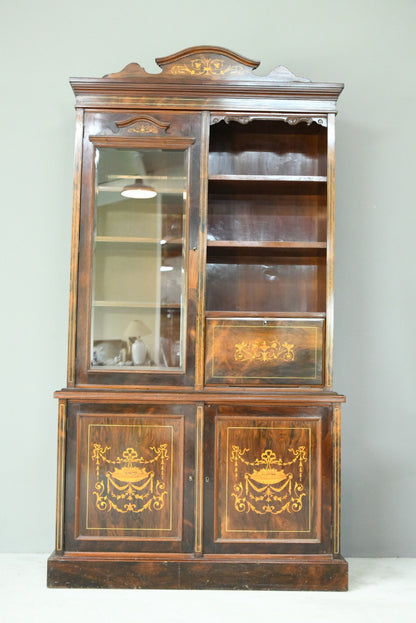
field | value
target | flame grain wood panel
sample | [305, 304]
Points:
[264, 351]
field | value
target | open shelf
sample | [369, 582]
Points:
[231, 247]
[266, 282]
[266, 178]
[267, 149]
[277, 244]
[267, 220]
[241, 212]
[261, 315]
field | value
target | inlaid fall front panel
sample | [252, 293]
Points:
[264, 351]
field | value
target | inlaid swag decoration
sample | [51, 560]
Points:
[265, 487]
[129, 486]
[264, 350]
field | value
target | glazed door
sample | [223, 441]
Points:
[138, 262]
[267, 481]
[129, 482]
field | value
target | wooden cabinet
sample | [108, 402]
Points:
[199, 435]
[269, 495]
[133, 483]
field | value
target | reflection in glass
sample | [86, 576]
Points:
[138, 289]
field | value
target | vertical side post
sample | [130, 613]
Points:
[60, 480]
[73, 287]
[202, 243]
[329, 341]
[336, 475]
[199, 480]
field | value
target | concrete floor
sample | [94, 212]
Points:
[382, 590]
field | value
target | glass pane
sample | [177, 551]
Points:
[138, 292]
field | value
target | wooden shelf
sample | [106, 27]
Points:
[267, 178]
[260, 315]
[137, 240]
[136, 305]
[218, 249]
[129, 368]
[265, 244]
[146, 177]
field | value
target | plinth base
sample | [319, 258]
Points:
[306, 573]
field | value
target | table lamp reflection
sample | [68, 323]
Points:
[133, 334]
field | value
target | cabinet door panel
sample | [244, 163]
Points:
[128, 490]
[268, 473]
[139, 227]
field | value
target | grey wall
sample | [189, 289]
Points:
[369, 45]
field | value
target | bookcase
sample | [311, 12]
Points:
[199, 433]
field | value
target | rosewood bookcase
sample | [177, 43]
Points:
[199, 434]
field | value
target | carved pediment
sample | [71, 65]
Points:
[207, 62]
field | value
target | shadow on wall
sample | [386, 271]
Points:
[373, 354]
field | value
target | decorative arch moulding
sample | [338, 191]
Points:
[290, 119]
[143, 124]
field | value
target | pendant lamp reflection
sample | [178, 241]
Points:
[139, 190]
